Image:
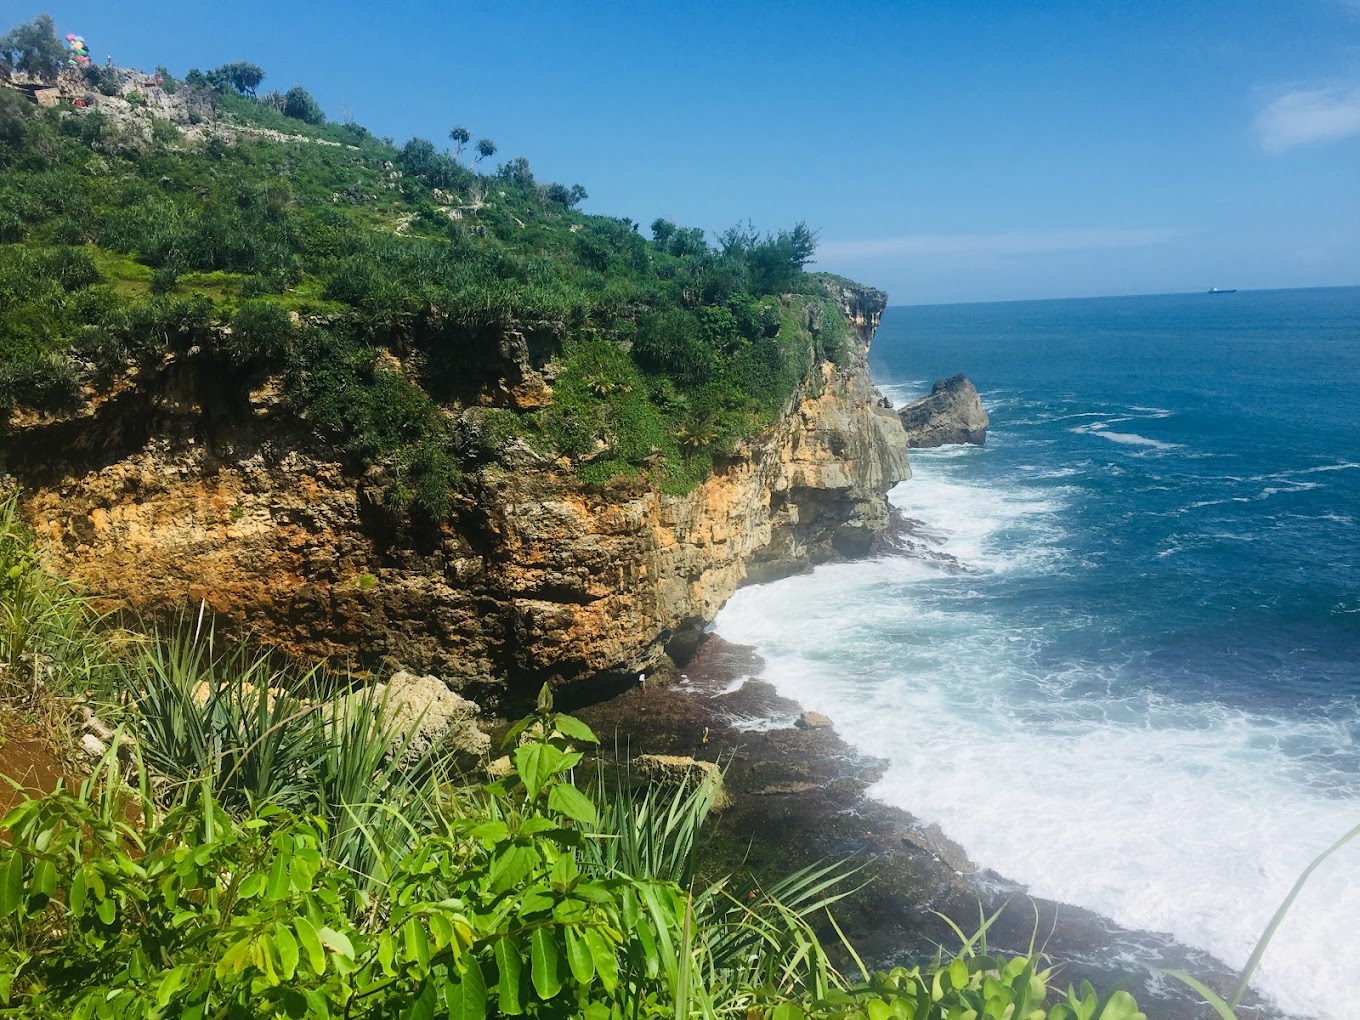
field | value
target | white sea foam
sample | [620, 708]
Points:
[1167, 816]
[1101, 428]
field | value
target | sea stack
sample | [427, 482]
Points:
[951, 413]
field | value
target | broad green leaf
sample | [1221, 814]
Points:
[311, 942]
[509, 969]
[536, 764]
[288, 949]
[786, 1011]
[567, 800]
[337, 942]
[106, 910]
[578, 957]
[465, 996]
[424, 1005]
[417, 943]
[172, 982]
[387, 952]
[958, 973]
[545, 964]
[510, 866]
[277, 887]
[492, 832]
[1121, 1006]
[11, 883]
[603, 956]
[251, 885]
[44, 881]
[574, 728]
[76, 899]
[564, 872]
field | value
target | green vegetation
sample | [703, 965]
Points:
[378, 283]
[260, 843]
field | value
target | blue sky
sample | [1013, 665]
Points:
[947, 151]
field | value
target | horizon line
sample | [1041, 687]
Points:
[1107, 297]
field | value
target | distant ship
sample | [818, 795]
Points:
[1221, 290]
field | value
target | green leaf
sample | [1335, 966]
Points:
[277, 887]
[536, 764]
[509, 969]
[491, 832]
[311, 942]
[423, 1006]
[578, 957]
[574, 728]
[545, 964]
[44, 881]
[76, 899]
[786, 1011]
[1212, 998]
[466, 996]
[603, 956]
[1121, 1006]
[567, 800]
[11, 883]
[288, 949]
[337, 942]
[417, 943]
[172, 982]
[510, 866]
[106, 910]
[251, 885]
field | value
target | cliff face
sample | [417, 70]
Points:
[178, 487]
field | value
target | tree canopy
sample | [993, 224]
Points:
[33, 49]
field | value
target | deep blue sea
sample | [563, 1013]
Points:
[1142, 695]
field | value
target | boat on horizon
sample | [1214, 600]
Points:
[1221, 290]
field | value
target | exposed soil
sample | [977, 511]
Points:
[26, 757]
[800, 798]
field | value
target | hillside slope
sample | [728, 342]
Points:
[372, 404]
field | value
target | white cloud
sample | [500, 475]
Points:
[1308, 115]
[1013, 243]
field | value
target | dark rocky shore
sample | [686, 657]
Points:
[800, 797]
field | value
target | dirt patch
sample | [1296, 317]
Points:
[26, 756]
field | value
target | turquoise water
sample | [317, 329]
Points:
[1142, 692]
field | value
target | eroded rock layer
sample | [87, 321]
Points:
[181, 487]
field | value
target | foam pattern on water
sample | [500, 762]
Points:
[1065, 772]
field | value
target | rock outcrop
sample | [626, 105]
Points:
[426, 714]
[184, 484]
[951, 413]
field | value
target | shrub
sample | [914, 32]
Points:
[299, 104]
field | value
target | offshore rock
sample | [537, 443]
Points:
[192, 483]
[952, 413]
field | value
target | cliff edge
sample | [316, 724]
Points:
[168, 489]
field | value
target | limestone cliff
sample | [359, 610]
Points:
[177, 486]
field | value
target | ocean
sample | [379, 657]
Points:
[1136, 686]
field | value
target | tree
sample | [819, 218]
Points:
[241, 75]
[517, 173]
[565, 196]
[299, 104]
[486, 148]
[662, 229]
[460, 137]
[33, 49]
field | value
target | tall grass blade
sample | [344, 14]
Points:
[1278, 917]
